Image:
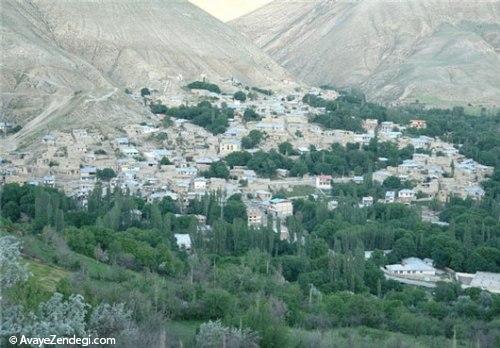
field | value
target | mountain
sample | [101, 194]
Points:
[440, 52]
[68, 62]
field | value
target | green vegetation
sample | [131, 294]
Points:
[262, 91]
[205, 115]
[241, 96]
[105, 174]
[113, 267]
[252, 139]
[165, 161]
[217, 170]
[251, 115]
[211, 87]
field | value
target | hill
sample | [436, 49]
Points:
[67, 63]
[440, 52]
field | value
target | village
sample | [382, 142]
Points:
[155, 162]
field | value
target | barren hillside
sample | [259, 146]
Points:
[68, 62]
[441, 52]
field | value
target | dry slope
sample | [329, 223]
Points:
[67, 62]
[442, 52]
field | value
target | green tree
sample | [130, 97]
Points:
[252, 139]
[251, 115]
[105, 174]
[241, 96]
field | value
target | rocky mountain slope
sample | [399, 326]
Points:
[68, 62]
[440, 52]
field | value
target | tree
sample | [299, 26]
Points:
[241, 96]
[217, 170]
[11, 211]
[145, 91]
[60, 317]
[204, 85]
[105, 174]
[299, 168]
[111, 320]
[218, 303]
[11, 269]
[286, 148]
[252, 139]
[392, 183]
[214, 335]
[59, 220]
[251, 115]
[165, 161]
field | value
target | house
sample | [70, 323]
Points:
[122, 141]
[482, 280]
[381, 175]
[358, 179]
[88, 173]
[387, 126]
[418, 124]
[49, 139]
[280, 207]
[255, 216]
[412, 266]
[363, 139]
[199, 184]
[183, 241]
[390, 197]
[263, 195]
[332, 205]
[129, 151]
[370, 125]
[475, 192]
[421, 142]
[324, 182]
[366, 202]
[406, 195]
[49, 180]
[227, 146]
[5, 126]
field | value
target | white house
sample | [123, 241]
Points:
[49, 180]
[412, 266]
[324, 182]
[199, 184]
[88, 173]
[390, 196]
[406, 195]
[366, 202]
[183, 241]
[280, 207]
[255, 216]
[227, 146]
[332, 205]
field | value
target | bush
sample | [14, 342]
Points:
[105, 174]
[241, 96]
[204, 85]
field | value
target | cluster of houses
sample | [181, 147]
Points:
[156, 162]
[413, 270]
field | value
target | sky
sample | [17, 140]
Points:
[226, 10]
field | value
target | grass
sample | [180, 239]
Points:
[367, 338]
[183, 331]
[301, 190]
[46, 276]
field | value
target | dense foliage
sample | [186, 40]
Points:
[113, 267]
[211, 87]
[205, 115]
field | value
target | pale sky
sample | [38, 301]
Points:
[225, 10]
